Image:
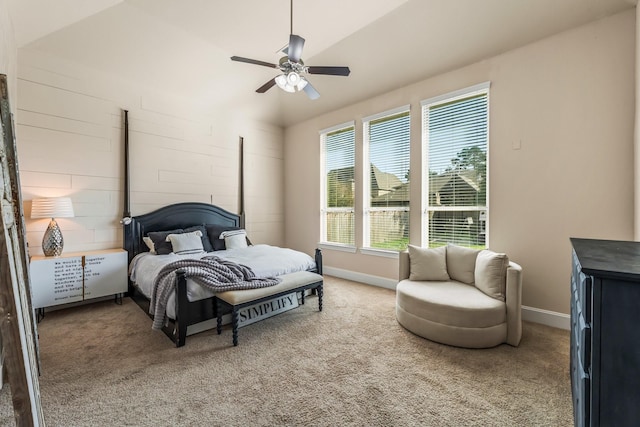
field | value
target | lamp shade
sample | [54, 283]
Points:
[52, 207]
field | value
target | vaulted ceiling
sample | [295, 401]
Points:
[183, 47]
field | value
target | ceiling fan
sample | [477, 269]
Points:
[293, 68]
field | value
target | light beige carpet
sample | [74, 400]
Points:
[351, 364]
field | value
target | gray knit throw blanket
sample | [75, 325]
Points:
[211, 272]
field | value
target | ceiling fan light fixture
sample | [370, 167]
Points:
[291, 82]
[293, 78]
[283, 83]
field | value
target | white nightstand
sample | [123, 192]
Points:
[77, 276]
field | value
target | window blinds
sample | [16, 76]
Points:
[456, 135]
[339, 174]
[387, 137]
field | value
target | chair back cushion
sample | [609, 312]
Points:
[461, 263]
[491, 273]
[428, 264]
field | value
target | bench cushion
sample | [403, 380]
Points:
[289, 281]
[450, 303]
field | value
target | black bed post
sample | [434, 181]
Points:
[127, 204]
[127, 240]
[241, 178]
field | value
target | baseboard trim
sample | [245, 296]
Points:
[368, 279]
[529, 314]
[546, 317]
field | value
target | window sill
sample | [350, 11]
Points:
[337, 247]
[379, 252]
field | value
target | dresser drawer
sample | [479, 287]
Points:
[585, 285]
[582, 341]
[581, 391]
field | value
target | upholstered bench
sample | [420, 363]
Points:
[237, 300]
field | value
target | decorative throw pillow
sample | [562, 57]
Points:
[186, 243]
[234, 239]
[214, 231]
[160, 243]
[461, 263]
[206, 244]
[491, 273]
[147, 241]
[428, 264]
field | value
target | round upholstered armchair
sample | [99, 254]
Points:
[460, 296]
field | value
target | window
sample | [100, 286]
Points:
[455, 134]
[386, 213]
[338, 184]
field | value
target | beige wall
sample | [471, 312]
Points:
[70, 143]
[568, 101]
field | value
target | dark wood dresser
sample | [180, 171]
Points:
[605, 332]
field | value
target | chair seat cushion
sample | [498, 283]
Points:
[451, 303]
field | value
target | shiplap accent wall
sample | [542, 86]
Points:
[70, 141]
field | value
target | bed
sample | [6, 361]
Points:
[191, 310]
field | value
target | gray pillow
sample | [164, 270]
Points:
[428, 264]
[491, 273]
[461, 263]
[160, 243]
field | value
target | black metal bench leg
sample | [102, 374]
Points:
[320, 292]
[234, 320]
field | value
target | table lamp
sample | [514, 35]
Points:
[52, 207]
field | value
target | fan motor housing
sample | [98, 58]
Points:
[287, 66]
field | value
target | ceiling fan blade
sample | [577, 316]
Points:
[294, 52]
[284, 49]
[253, 61]
[311, 92]
[268, 85]
[332, 71]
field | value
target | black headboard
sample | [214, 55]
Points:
[180, 215]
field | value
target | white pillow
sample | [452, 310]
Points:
[234, 239]
[491, 273]
[186, 243]
[428, 264]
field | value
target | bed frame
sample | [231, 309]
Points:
[181, 215]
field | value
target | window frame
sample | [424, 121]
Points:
[324, 209]
[366, 179]
[450, 97]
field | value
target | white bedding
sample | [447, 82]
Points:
[264, 260]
